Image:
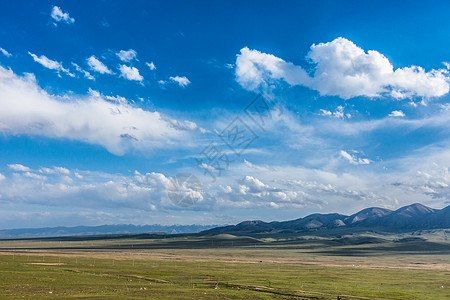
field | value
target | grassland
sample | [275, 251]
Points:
[226, 267]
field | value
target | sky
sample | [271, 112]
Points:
[215, 112]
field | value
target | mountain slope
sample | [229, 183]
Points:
[439, 219]
[370, 213]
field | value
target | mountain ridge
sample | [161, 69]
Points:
[407, 218]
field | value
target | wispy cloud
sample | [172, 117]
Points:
[5, 53]
[55, 170]
[352, 159]
[84, 72]
[51, 64]
[98, 66]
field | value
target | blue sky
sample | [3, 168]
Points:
[103, 104]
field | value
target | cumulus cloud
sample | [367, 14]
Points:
[251, 192]
[84, 72]
[5, 53]
[64, 189]
[254, 184]
[115, 125]
[341, 68]
[353, 159]
[255, 69]
[127, 56]
[295, 187]
[89, 189]
[130, 73]
[50, 64]
[98, 66]
[58, 186]
[59, 16]
[19, 167]
[397, 113]
[181, 80]
[151, 65]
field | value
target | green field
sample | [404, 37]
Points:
[226, 267]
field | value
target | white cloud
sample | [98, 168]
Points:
[353, 159]
[183, 124]
[254, 183]
[397, 113]
[341, 69]
[92, 190]
[308, 188]
[117, 126]
[130, 73]
[325, 112]
[98, 66]
[2, 177]
[285, 187]
[5, 53]
[35, 176]
[50, 64]
[151, 65]
[255, 69]
[19, 167]
[181, 80]
[338, 113]
[84, 72]
[55, 170]
[127, 56]
[59, 16]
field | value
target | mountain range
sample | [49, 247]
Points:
[409, 218]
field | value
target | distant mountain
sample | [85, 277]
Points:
[413, 217]
[409, 218]
[103, 229]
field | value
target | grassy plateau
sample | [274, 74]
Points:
[363, 266]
